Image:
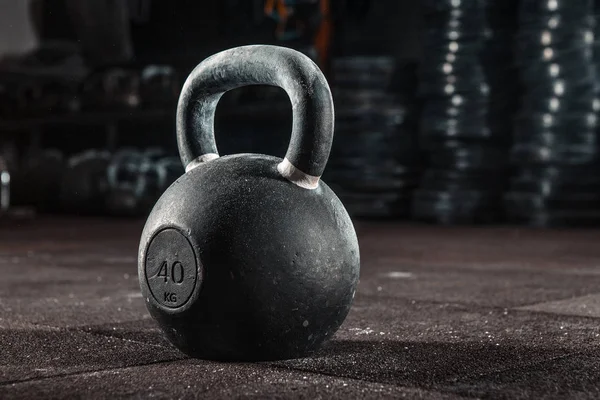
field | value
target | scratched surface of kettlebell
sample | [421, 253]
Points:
[250, 256]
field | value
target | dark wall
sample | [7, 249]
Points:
[390, 27]
[186, 31]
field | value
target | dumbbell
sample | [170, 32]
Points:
[123, 167]
[159, 85]
[173, 169]
[152, 179]
[111, 89]
[125, 186]
[84, 185]
[153, 154]
[138, 178]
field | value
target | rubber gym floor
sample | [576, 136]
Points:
[440, 313]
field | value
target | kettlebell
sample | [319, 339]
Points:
[250, 257]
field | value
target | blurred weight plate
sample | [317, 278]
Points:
[567, 9]
[383, 166]
[451, 52]
[449, 197]
[439, 35]
[457, 18]
[123, 169]
[386, 118]
[123, 202]
[378, 207]
[567, 144]
[437, 65]
[382, 140]
[43, 98]
[351, 141]
[454, 127]
[115, 88]
[528, 55]
[577, 89]
[568, 71]
[363, 162]
[550, 218]
[153, 154]
[566, 16]
[151, 178]
[452, 85]
[524, 154]
[570, 37]
[575, 121]
[455, 207]
[159, 85]
[584, 102]
[365, 80]
[463, 132]
[359, 101]
[379, 155]
[173, 170]
[572, 53]
[467, 6]
[369, 72]
[557, 138]
[549, 187]
[584, 175]
[462, 156]
[461, 127]
[363, 183]
[364, 144]
[528, 202]
[453, 180]
[389, 196]
[455, 105]
[375, 64]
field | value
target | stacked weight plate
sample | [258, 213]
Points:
[374, 161]
[555, 152]
[126, 183]
[466, 143]
[498, 60]
[136, 180]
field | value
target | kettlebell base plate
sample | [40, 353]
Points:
[171, 268]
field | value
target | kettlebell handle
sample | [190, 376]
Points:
[298, 75]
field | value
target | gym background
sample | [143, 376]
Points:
[465, 149]
[449, 112]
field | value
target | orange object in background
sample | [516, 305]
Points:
[323, 38]
[279, 8]
[281, 11]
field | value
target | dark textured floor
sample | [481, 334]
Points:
[440, 313]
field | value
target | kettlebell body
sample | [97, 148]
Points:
[250, 257]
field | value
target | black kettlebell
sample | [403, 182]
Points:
[248, 256]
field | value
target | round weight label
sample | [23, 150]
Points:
[171, 269]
